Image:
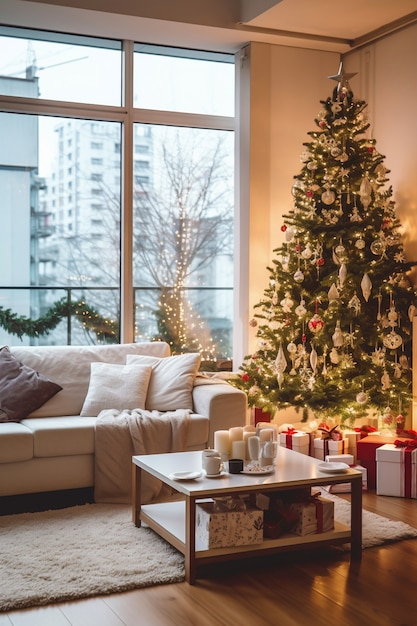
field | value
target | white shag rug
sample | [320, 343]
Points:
[95, 549]
[78, 552]
[376, 530]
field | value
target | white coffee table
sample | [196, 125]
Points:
[175, 520]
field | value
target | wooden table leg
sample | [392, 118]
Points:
[136, 493]
[190, 561]
[356, 519]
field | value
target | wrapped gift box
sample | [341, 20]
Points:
[315, 516]
[223, 528]
[353, 437]
[340, 458]
[346, 487]
[298, 441]
[324, 447]
[366, 453]
[279, 500]
[396, 471]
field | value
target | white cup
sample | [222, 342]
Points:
[212, 462]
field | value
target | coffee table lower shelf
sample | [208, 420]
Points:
[168, 520]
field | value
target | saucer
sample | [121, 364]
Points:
[222, 473]
[185, 475]
[332, 468]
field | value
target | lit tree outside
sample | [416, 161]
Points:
[334, 325]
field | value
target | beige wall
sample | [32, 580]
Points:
[387, 80]
[286, 86]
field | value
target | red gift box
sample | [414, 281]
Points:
[366, 452]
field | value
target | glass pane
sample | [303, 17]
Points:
[60, 236]
[75, 69]
[183, 237]
[169, 82]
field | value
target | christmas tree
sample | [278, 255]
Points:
[334, 325]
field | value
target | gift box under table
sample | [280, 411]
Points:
[396, 471]
[324, 447]
[315, 516]
[298, 441]
[366, 453]
[222, 528]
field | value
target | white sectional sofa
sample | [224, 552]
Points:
[52, 449]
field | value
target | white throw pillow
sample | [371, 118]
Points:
[114, 386]
[172, 380]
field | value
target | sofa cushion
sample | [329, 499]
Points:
[16, 443]
[22, 389]
[69, 366]
[172, 380]
[114, 386]
[61, 436]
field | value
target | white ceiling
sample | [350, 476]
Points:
[225, 25]
[343, 19]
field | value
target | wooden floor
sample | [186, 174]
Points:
[295, 589]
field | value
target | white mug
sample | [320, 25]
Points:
[212, 462]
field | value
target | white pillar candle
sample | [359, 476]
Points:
[254, 447]
[236, 434]
[222, 441]
[260, 425]
[266, 434]
[239, 450]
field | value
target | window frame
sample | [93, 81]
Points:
[127, 115]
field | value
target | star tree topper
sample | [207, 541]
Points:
[342, 79]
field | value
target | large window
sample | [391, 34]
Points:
[117, 203]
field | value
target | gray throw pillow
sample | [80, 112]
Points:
[22, 389]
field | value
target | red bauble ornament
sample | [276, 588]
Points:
[370, 149]
[320, 261]
[245, 377]
[297, 247]
[322, 123]
[316, 324]
[309, 193]
[284, 228]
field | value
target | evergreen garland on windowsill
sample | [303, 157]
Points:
[105, 329]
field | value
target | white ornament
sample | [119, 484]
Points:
[298, 276]
[333, 293]
[292, 348]
[307, 252]
[287, 303]
[355, 304]
[385, 381]
[334, 356]
[366, 286]
[337, 337]
[289, 234]
[280, 361]
[361, 398]
[328, 197]
[301, 310]
[313, 359]
[342, 274]
[393, 340]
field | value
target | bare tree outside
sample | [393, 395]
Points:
[183, 235]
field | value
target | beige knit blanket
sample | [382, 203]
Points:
[121, 434]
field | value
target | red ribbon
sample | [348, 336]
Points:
[408, 443]
[288, 436]
[408, 446]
